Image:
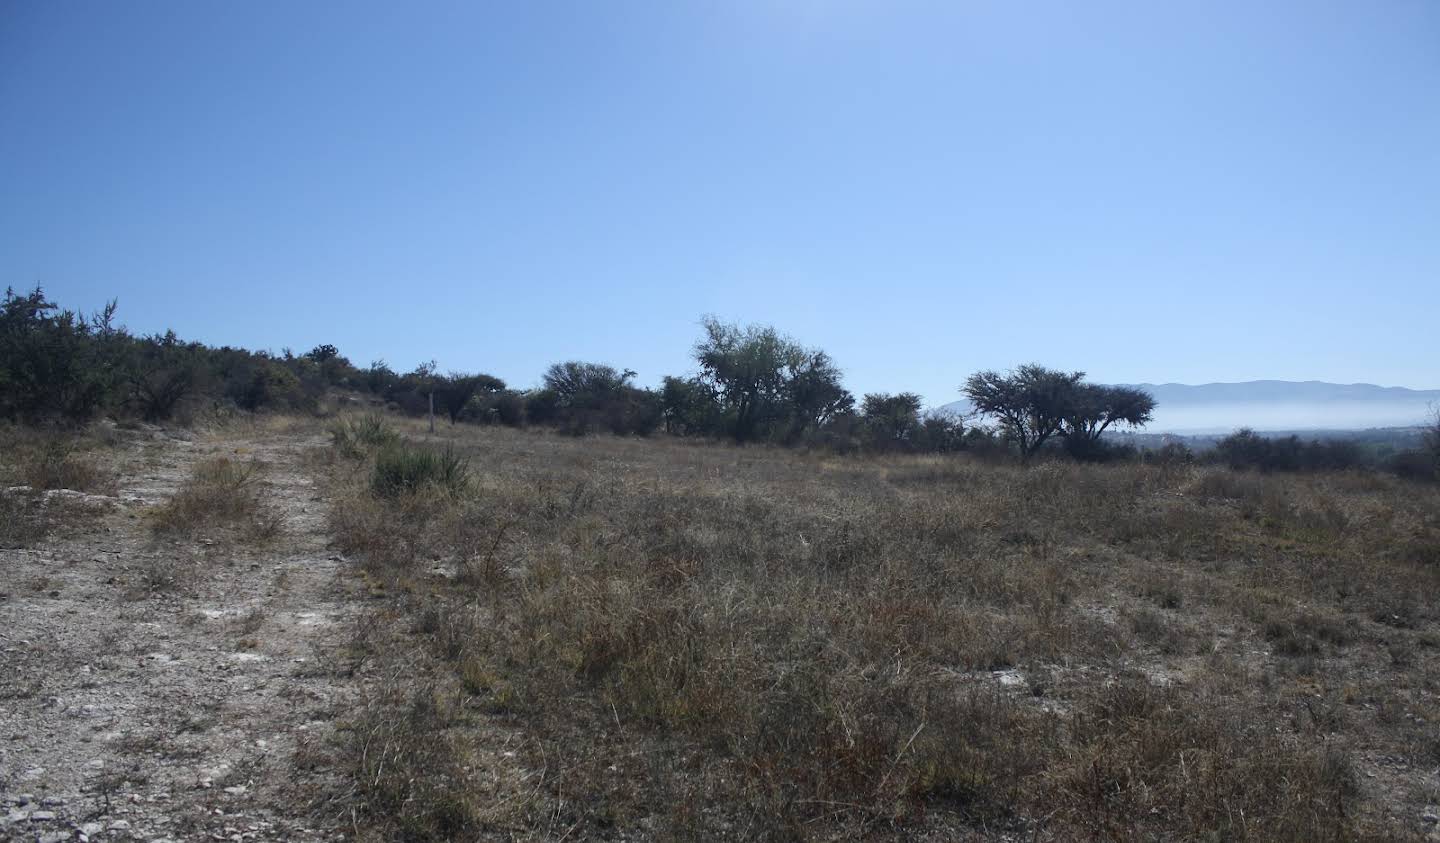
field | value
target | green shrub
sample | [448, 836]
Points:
[54, 364]
[1171, 453]
[1414, 465]
[400, 469]
[508, 408]
[1246, 449]
[271, 385]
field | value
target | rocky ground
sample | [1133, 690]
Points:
[180, 689]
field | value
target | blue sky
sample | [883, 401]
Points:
[1148, 191]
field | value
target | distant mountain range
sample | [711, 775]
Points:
[1279, 405]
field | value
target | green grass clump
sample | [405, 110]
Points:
[402, 469]
[358, 437]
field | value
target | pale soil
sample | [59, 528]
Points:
[198, 710]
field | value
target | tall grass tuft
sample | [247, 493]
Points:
[221, 494]
[402, 469]
[359, 437]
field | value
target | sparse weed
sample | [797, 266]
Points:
[160, 575]
[410, 768]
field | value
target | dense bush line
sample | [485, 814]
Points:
[60, 366]
[751, 384]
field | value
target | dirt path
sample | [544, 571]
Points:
[174, 690]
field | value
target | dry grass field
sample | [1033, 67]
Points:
[628, 639]
[501, 634]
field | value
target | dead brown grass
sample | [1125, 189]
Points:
[223, 499]
[59, 466]
[34, 466]
[702, 641]
[46, 460]
[24, 519]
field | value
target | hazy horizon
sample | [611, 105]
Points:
[1271, 405]
[1223, 418]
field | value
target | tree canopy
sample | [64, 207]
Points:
[766, 383]
[1031, 403]
[454, 391]
[577, 384]
[889, 419]
[1096, 408]
[1034, 404]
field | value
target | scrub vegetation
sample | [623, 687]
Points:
[746, 605]
[675, 639]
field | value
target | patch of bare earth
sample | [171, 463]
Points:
[163, 684]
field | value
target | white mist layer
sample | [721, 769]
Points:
[1329, 415]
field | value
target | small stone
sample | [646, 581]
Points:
[235, 790]
[1430, 817]
[52, 801]
[24, 799]
[92, 828]
[118, 825]
[41, 816]
[17, 816]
